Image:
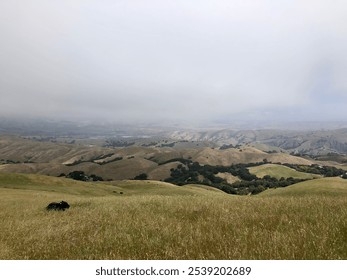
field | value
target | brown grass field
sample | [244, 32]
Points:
[155, 220]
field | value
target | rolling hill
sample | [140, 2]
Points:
[156, 220]
[18, 155]
[312, 142]
[244, 154]
[324, 187]
[66, 186]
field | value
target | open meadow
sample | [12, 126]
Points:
[155, 220]
[277, 171]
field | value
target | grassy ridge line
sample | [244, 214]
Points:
[278, 171]
[332, 186]
[53, 184]
[127, 187]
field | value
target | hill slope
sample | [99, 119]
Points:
[313, 142]
[20, 155]
[278, 171]
[334, 186]
[66, 186]
[243, 155]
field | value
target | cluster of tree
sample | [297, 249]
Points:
[81, 176]
[43, 139]
[272, 152]
[189, 172]
[259, 185]
[326, 171]
[9, 161]
[114, 143]
[142, 176]
[230, 146]
[149, 144]
[194, 173]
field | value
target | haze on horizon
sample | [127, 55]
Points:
[184, 61]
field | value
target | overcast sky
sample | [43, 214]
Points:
[161, 60]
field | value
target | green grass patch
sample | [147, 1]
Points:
[278, 171]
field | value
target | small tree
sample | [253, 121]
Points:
[77, 175]
[142, 176]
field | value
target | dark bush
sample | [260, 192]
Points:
[142, 176]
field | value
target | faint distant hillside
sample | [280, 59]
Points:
[300, 141]
[85, 129]
[320, 142]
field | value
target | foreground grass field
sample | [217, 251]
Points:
[154, 220]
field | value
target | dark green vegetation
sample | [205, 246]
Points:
[114, 143]
[326, 171]
[81, 176]
[193, 173]
[142, 176]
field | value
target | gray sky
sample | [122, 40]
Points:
[174, 60]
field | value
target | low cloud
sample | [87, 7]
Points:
[173, 60]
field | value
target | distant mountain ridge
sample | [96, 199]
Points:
[319, 142]
[301, 138]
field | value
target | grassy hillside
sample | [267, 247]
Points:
[278, 171]
[66, 186]
[155, 220]
[244, 154]
[228, 177]
[334, 186]
[20, 155]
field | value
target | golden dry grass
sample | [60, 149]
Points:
[148, 222]
[228, 177]
[243, 155]
[325, 187]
